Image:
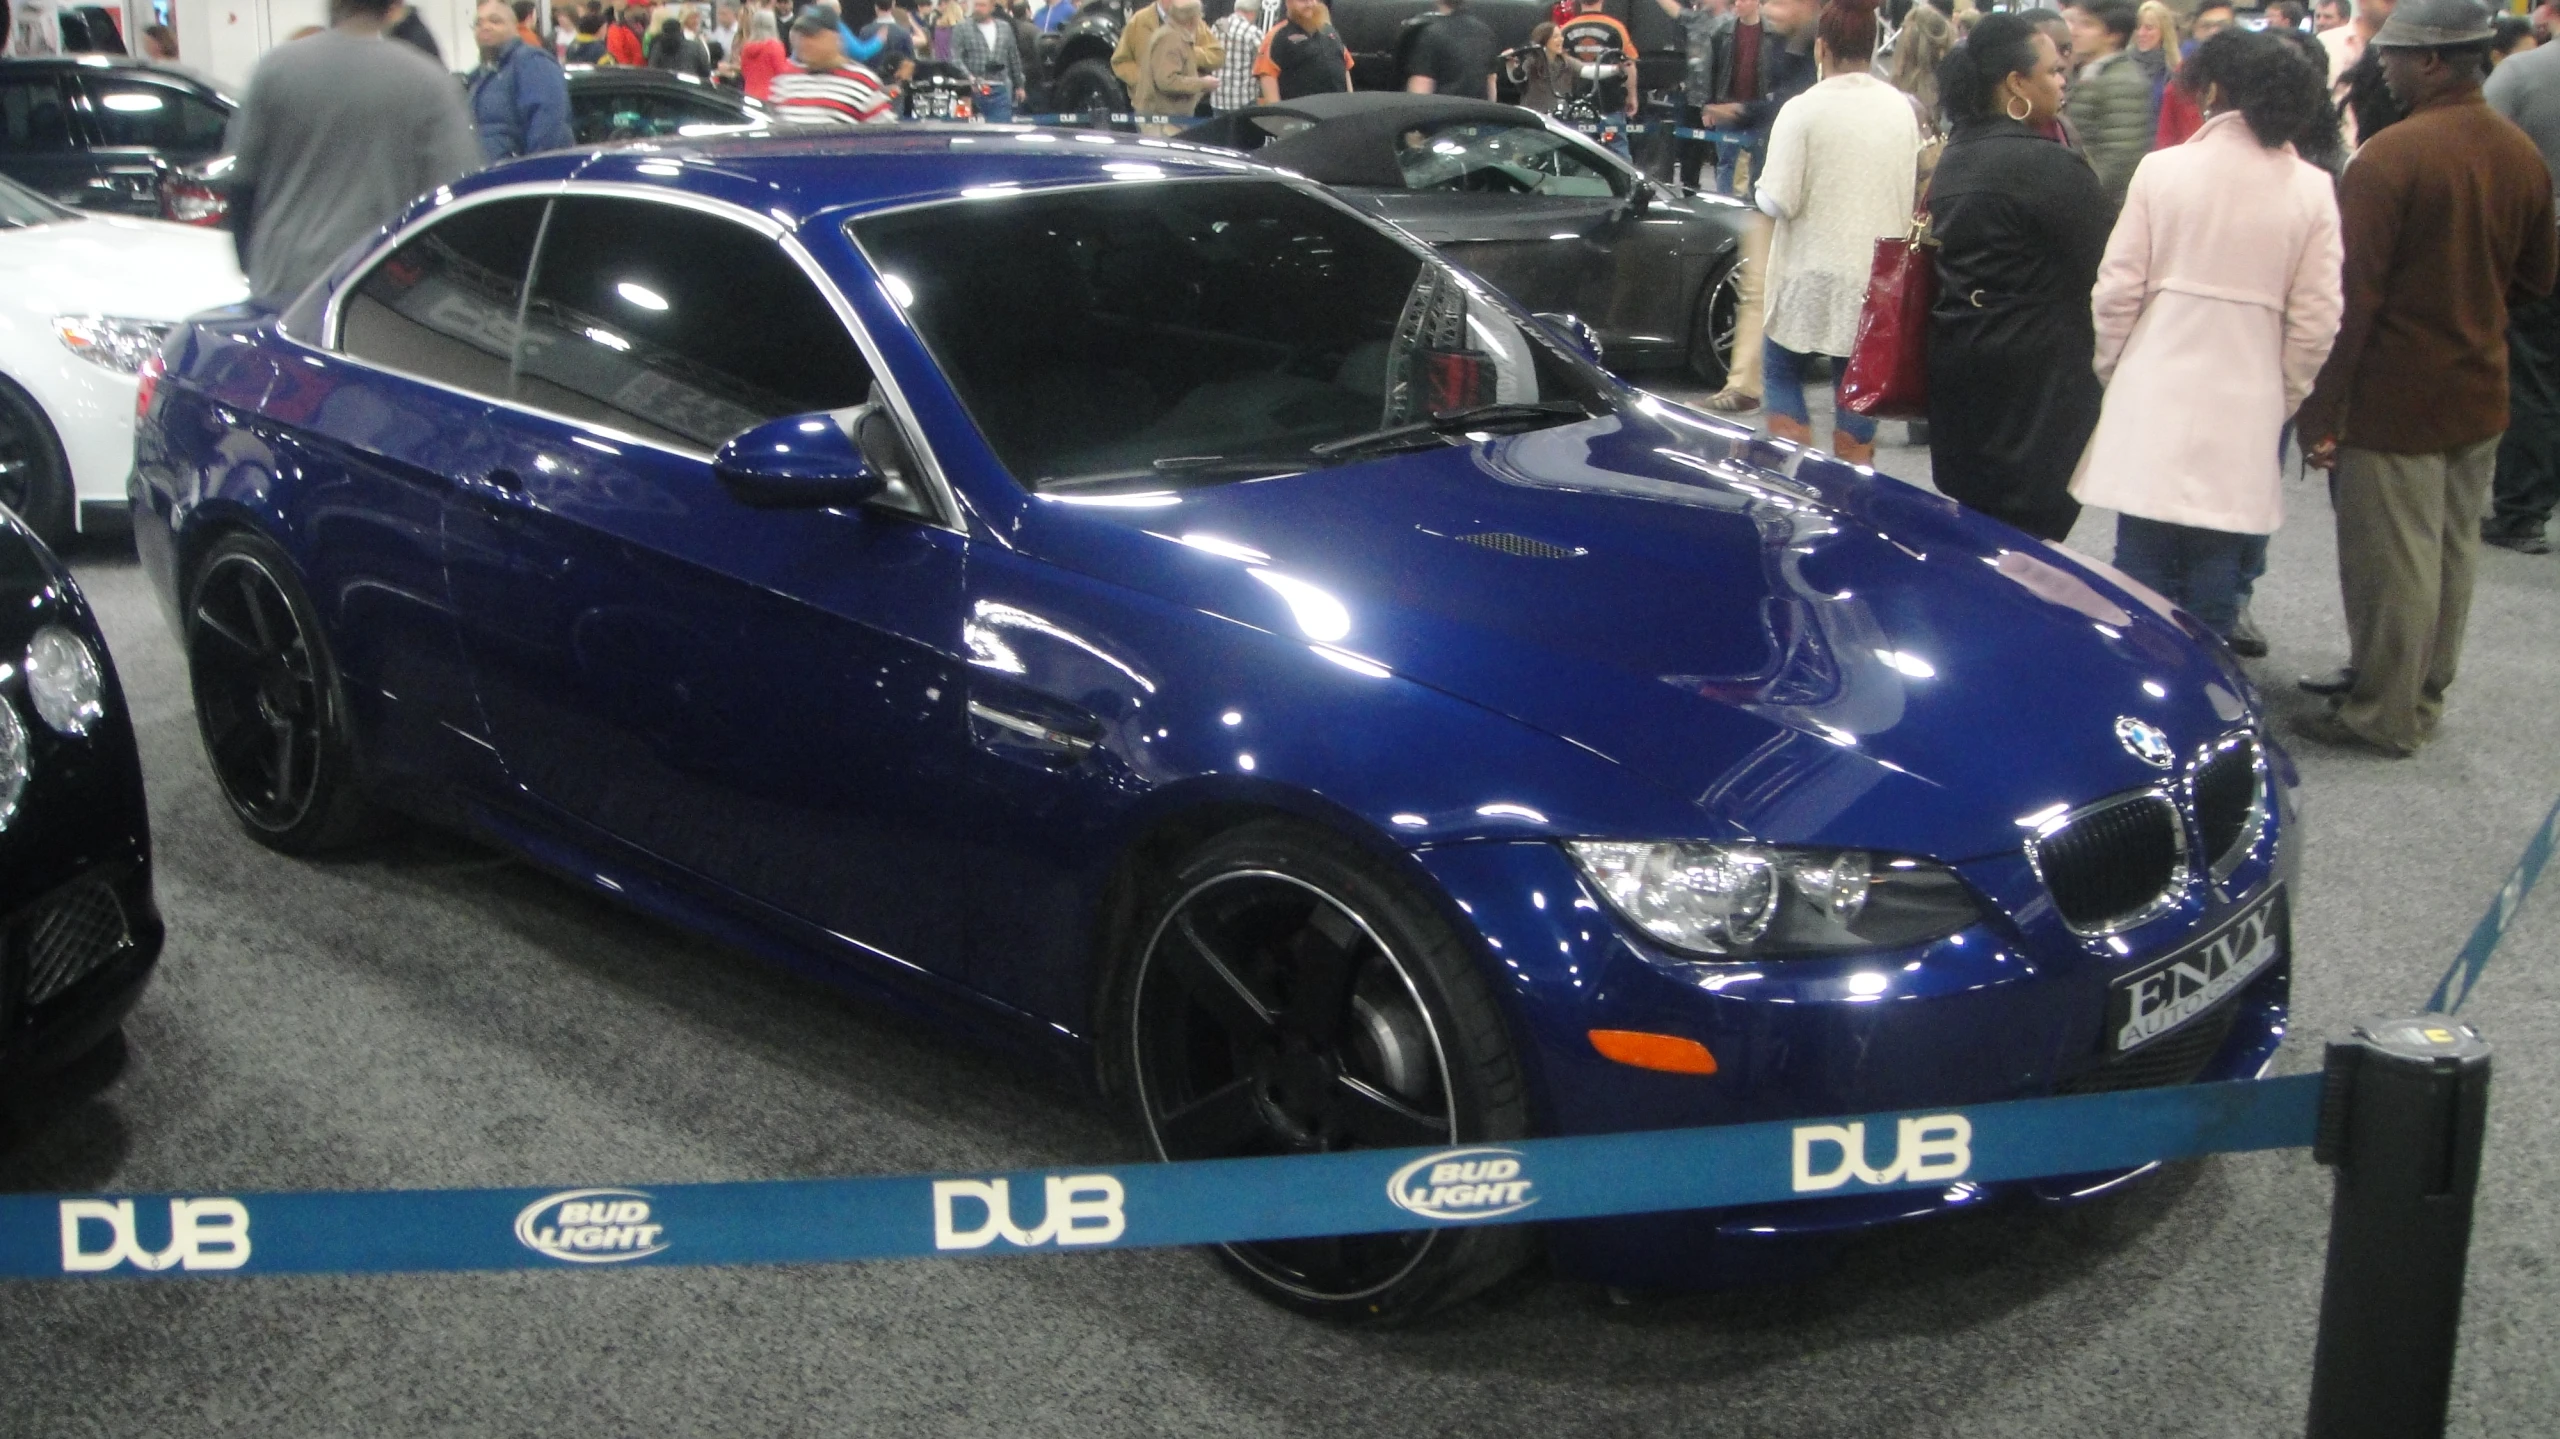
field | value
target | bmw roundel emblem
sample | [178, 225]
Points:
[2145, 742]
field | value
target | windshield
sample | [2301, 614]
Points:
[20, 207]
[1483, 158]
[1203, 329]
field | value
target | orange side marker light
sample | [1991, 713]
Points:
[1666, 1052]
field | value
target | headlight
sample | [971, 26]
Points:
[118, 345]
[1771, 900]
[13, 761]
[64, 680]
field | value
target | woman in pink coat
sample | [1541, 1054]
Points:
[2215, 307]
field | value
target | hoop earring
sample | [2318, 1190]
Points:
[2018, 108]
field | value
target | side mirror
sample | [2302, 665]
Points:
[1584, 340]
[798, 462]
[1640, 199]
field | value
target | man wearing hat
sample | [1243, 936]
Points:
[830, 87]
[2447, 216]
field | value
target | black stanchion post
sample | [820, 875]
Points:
[2401, 1117]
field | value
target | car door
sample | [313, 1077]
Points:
[379, 427]
[40, 138]
[1530, 210]
[140, 126]
[766, 699]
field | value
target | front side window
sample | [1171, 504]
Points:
[677, 326]
[160, 117]
[1157, 330]
[443, 306]
[1497, 159]
[32, 115]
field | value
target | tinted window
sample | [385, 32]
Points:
[443, 306]
[1503, 160]
[21, 207]
[1096, 332]
[679, 326]
[32, 115]
[136, 112]
[601, 117]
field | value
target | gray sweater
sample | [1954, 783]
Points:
[2530, 96]
[339, 133]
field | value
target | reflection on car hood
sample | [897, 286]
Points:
[1830, 658]
[112, 265]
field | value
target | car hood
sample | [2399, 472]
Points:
[1827, 657]
[113, 265]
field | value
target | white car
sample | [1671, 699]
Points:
[87, 299]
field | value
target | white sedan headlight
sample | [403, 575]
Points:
[1765, 901]
[116, 344]
[14, 761]
[65, 681]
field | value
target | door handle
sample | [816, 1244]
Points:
[1037, 734]
[502, 481]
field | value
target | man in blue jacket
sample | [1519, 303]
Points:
[519, 98]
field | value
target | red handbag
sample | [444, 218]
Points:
[1888, 372]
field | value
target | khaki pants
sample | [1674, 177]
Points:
[2408, 541]
[1750, 285]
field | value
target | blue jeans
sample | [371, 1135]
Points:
[1782, 391]
[995, 104]
[2204, 572]
[1727, 157]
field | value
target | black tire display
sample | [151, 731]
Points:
[35, 479]
[1290, 996]
[268, 702]
[1711, 331]
[1088, 85]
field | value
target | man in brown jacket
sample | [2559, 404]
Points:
[2447, 216]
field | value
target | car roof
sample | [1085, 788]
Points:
[174, 74]
[798, 176]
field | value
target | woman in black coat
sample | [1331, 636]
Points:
[2021, 224]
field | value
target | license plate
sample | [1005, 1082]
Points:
[2158, 998]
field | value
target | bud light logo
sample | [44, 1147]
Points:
[591, 1226]
[1928, 1150]
[99, 1234]
[1462, 1184]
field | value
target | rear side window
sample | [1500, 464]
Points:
[600, 118]
[677, 326]
[443, 306]
[32, 115]
[163, 117]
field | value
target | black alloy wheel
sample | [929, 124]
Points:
[1711, 333]
[35, 479]
[1290, 999]
[267, 701]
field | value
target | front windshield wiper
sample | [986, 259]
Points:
[1442, 423]
[1181, 465]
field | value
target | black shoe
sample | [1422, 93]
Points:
[2246, 639]
[2326, 728]
[2521, 544]
[2335, 683]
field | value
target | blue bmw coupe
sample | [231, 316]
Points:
[1122, 600]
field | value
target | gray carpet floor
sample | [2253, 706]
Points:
[432, 1014]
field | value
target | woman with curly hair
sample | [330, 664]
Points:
[2221, 279]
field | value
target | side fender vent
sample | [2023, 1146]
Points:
[1504, 542]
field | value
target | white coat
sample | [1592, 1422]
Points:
[1842, 158]
[2215, 306]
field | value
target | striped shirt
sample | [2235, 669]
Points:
[848, 96]
[1237, 87]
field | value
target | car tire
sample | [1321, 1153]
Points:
[1712, 328]
[1288, 994]
[269, 705]
[1088, 85]
[35, 476]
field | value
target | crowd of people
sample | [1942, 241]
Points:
[2171, 250]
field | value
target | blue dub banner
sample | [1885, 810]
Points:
[805, 1221]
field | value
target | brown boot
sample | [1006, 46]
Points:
[1851, 450]
[1794, 432]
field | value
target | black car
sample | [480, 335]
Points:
[78, 929]
[103, 131]
[1554, 220]
[607, 104]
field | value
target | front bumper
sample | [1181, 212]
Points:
[2014, 1008]
[72, 965]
